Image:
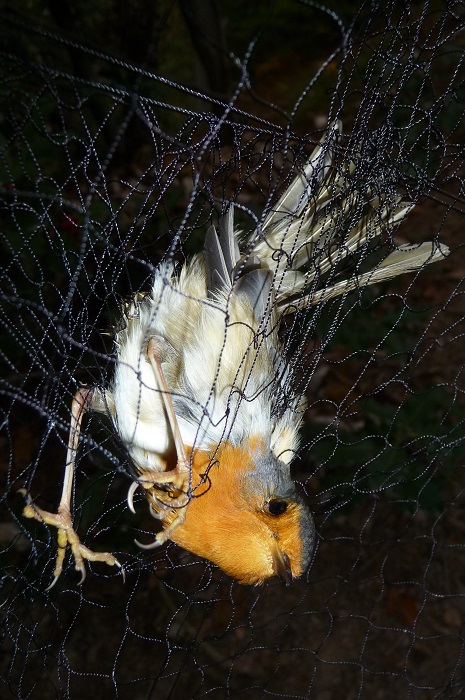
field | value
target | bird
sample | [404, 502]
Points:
[200, 369]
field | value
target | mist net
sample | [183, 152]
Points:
[126, 131]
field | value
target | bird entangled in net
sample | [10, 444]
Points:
[231, 350]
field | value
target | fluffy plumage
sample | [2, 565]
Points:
[200, 369]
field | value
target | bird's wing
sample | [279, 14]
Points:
[402, 260]
[326, 217]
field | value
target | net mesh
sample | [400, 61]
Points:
[126, 129]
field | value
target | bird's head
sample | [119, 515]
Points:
[246, 515]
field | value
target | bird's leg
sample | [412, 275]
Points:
[62, 519]
[171, 510]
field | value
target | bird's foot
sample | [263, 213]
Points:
[67, 535]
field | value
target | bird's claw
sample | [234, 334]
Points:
[177, 519]
[166, 490]
[171, 510]
[67, 535]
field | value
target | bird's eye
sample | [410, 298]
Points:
[277, 506]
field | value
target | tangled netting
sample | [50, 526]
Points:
[125, 129]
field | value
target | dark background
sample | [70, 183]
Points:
[124, 128]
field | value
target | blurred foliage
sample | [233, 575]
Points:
[394, 433]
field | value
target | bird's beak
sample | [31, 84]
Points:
[282, 565]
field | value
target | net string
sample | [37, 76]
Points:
[84, 231]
